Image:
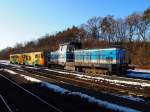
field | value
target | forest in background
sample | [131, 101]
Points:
[131, 33]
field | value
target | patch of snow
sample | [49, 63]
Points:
[137, 99]
[122, 82]
[31, 79]
[139, 75]
[19, 69]
[5, 62]
[141, 70]
[15, 65]
[31, 67]
[10, 71]
[133, 98]
[104, 79]
[104, 103]
[55, 88]
[26, 77]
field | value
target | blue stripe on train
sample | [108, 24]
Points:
[103, 55]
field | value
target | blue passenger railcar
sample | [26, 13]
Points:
[54, 57]
[110, 59]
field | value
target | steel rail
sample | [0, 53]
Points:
[5, 103]
[37, 97]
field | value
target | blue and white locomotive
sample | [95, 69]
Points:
[100, 61]
[63, 56]
[92, 61]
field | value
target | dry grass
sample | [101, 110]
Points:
[144, 67]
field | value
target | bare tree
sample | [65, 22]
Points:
[120, 30]
[107, 28]
[132, 21]
[92, 27]
[146, 16]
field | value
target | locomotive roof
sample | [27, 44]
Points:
[114, 48]
[70, 43]
[26, 53]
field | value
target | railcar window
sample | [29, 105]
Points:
[61, 48]
[26, 57]
[42, 56]
[111, 59]
[29, 58]
[103, 58]
[36, 56]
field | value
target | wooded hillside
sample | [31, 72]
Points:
[131, 33]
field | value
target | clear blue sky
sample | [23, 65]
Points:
[24, 20]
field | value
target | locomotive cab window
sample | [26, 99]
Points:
[42, 56]
[26, 57]
[29, 58]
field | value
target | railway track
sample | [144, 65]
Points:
[60, 77]
[4, 107]
[21, 100]
[69, 79]
[66, 76]
[76, 72]
[74, 106]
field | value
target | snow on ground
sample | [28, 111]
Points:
[113, 81]
[80, 76]
[137, 99]
[121, 81]
[55, 88]
[61, 90]
[6, 62]
[141, 70]
[20, 70]
[31, 78]
[91, 99]
[31, 67]
[106, 104]
[10, 71]
[139, 73]
[15, 65]
[26, 77]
